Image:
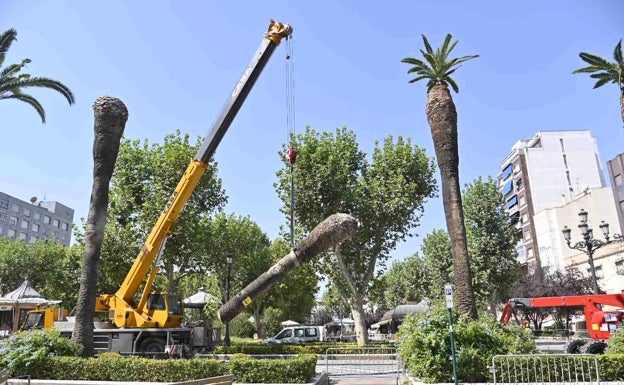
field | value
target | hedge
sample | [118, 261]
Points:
[114, 367]
[306, 348]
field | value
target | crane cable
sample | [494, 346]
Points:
[291, 151]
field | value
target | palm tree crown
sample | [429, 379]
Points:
[603, 70]
[437, 67]
[12, 82]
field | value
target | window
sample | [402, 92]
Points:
[311, 332]
[525, 217]
[35, 227]
[64, 226]
[619, 266]
[1, 230]
[2, 217]
[24, 224]
[527, 235]
[46, 219]
[32, 239]
[519, 184]
[11, 233]
[26, 212]
[618, 179]
[513, 219]
[23, 236]
[511, 202]
[507, 188]
[55, 222]
[299, 333]
[37, 216]
[507, 171]
[15, 208]
[522, 201]
[529, 253]
[13, 220]
[4, 204]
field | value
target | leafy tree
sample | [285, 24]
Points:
[243, 240]
[110, 121]
[145, 177]
[437, 69]
[12, 83]
[386, 194]
[50, 267]
[550, 283]
[405, 281]
[605, 71]
[491, 241]
[436, 249]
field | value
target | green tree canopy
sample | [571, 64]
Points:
[385, 193]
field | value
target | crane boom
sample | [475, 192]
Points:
[121, 307]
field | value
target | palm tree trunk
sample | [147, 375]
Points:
[442, 118]
[110, 121]
[622, 103]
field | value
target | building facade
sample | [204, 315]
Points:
[616, 176]
[35, 220]
[545, 171]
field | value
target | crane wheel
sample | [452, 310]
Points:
[595, 347]
[152, 345]
[574, 346]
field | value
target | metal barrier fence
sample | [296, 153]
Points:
[362, 361]
[545, 368]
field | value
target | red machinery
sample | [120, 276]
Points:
[600, 323]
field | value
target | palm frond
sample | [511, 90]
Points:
[602, 82]
[594, 60]
[587, 70]
[427, 45]
[40, 82]
[617, 54]
[602, 75]
[436, 65]
[453, 84]
[6, 39]
[30, 100]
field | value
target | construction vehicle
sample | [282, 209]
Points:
[148, 322]
[600, 322]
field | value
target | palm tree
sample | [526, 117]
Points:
[111, 115]
[12, 82]
[605, 71]
[436, 68]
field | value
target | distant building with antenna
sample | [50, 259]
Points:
[35, 220]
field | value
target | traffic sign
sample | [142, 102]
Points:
[448, 293]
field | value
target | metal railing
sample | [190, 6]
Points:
[362, 361]
[545, 368]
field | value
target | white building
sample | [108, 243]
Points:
[545, 171]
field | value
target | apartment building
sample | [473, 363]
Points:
[616, 176]
[34, 220]
[545, 171]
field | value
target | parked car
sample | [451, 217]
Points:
[297, 334]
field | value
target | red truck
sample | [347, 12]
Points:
[601, 323]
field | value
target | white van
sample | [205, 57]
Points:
[298, 334]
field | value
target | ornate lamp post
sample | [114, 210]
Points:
[226, 339]
[589, 245]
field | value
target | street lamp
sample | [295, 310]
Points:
[226, 339]
[588, 245]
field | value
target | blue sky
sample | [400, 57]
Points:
[174, 62]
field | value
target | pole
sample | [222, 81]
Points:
[590, 255]
[292, 205]
[448, 292]
[226, 339]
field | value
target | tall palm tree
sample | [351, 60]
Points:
[12, 82]
[111, 115]
[437, 68]
[605, 71]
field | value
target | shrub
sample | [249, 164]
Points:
[616, 343]
[242, 327]
[25, 353]
[425, 346]
[292, 370]
[272, 319]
